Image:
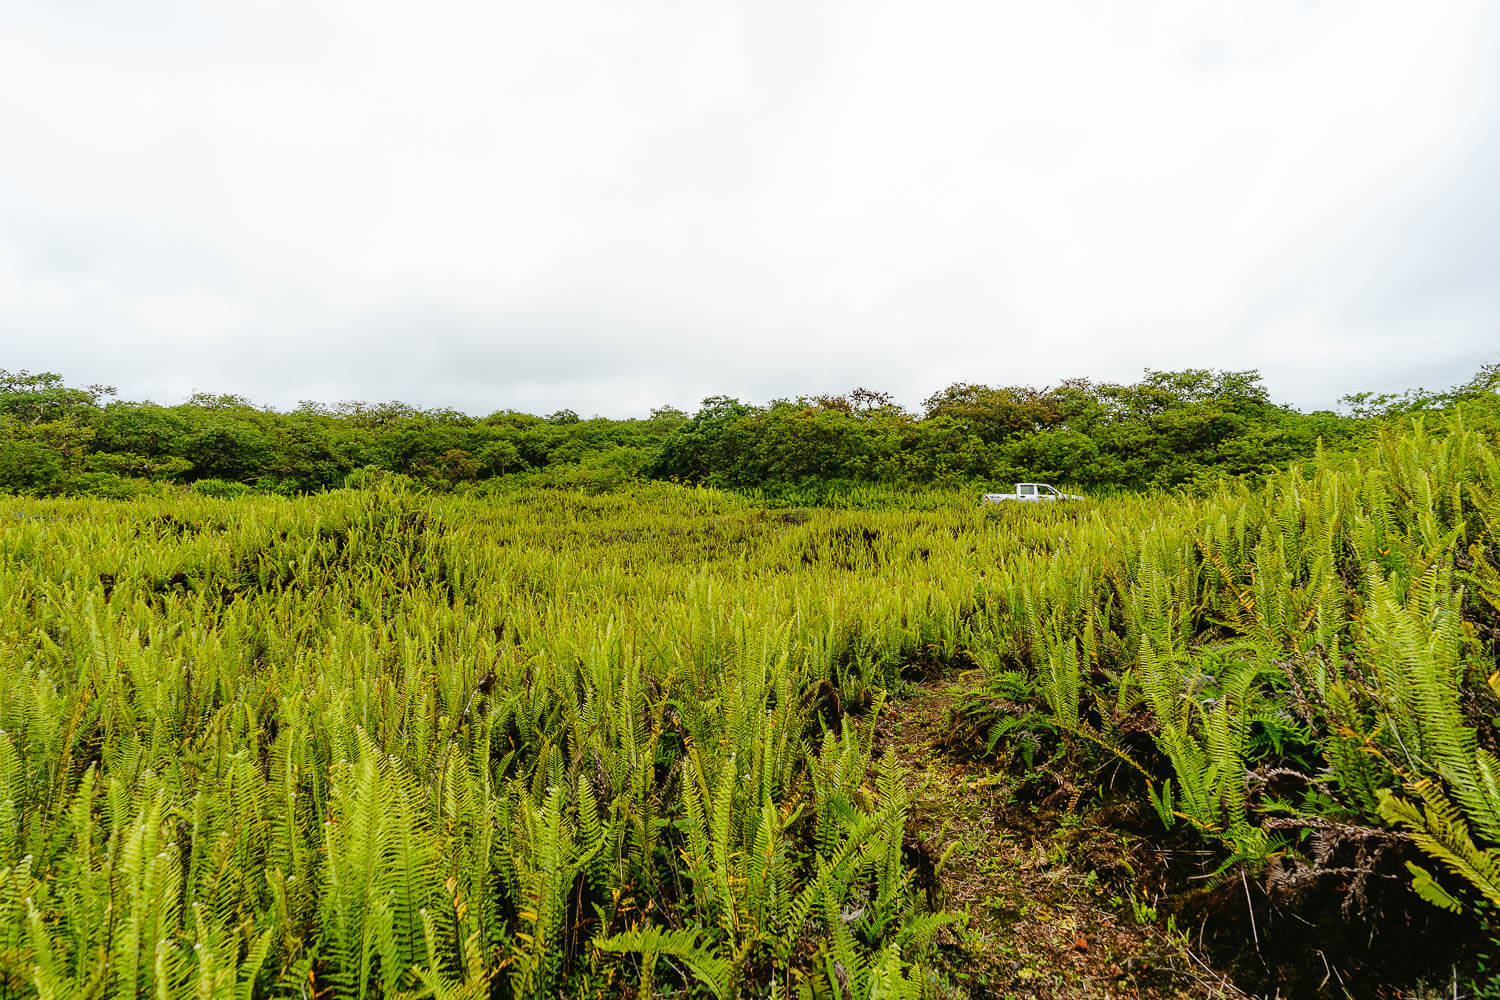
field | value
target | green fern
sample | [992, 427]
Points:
[1438, 828]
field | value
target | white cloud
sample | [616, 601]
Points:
[608, 206]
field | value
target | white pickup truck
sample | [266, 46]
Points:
[1030, 493]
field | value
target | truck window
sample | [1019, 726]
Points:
[1025, 489]
[1047, 489]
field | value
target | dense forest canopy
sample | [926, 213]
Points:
[1171, 428]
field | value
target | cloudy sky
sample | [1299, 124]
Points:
[611, 206]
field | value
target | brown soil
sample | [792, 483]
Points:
[1047, 917]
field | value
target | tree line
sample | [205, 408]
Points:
[1170, 428]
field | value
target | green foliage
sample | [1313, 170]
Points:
[380, 742]
[1187, 428]
[1335, 626]
[1439, 828]
[30, 468]
[1169, 429]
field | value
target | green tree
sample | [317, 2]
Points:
[29, 467]
[991, 414]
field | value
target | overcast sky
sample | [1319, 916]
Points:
[612, 206]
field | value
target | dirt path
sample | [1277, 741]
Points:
[1041, 924]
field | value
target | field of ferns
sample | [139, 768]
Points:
[372, 743]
